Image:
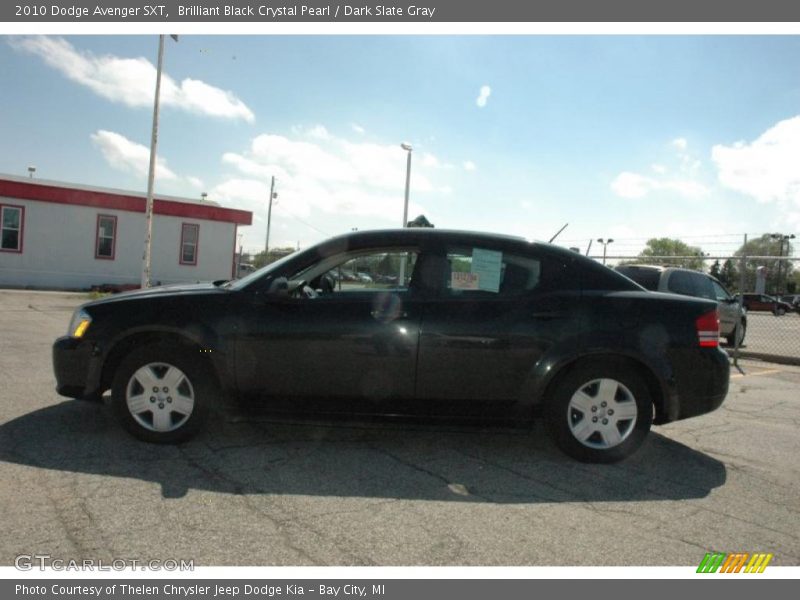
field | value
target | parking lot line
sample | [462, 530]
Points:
[765, 372]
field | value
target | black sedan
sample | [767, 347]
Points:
[444, 323]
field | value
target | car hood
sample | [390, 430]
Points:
[179, 289]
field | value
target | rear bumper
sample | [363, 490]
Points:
[701, 381]
[74, 365]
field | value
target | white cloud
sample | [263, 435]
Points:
[329, 175]
[358, 128]
[195, 182]
[125, 155]
[680, 179]
[319, 132]
[632, 185]
[765, 169]
[680, 143]
[429, 160]
[131, 81]
[469, 165]
[635, 186]
[483, 96]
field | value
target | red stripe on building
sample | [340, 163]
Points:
[108, 200]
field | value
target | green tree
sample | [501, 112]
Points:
[689, 257]
[767, 246]
[729, 276]
[420, 221]
[715, 270]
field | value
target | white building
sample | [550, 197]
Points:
[58, 235]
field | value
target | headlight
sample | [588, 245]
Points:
[79, 324]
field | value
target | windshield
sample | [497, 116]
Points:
[238, 284]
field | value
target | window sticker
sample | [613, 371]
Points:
[463, 281]
[487, 265]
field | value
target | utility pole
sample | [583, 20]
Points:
[272, 196]
[407, 147]
[148, 237]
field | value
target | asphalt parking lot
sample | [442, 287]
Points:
[262, 492]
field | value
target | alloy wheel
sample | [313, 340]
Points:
[602, 413]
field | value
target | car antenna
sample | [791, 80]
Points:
[557, 232]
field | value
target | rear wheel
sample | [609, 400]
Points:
[161, 396]
[600, 412]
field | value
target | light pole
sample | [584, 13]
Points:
[605, 246]
[239, 237]
[31, 171]
[272, 195]
[151, 174]
[781, 238]
[407, 147]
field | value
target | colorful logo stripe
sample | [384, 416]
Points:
[734, 563]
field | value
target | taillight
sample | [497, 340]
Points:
[707, 326]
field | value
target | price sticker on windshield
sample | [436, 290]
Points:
[464, 281]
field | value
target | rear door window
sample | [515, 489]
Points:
[476, 272]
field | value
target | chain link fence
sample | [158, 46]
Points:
[759, 271]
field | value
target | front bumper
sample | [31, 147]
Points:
[74, 366]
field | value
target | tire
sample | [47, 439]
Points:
[780, 311]
[741, 331]
[600, 412]
[161, 395]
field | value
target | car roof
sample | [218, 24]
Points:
[661, 268]
[415, 235]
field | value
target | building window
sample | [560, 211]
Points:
[12, 223]
[189, 236]
[106, 237]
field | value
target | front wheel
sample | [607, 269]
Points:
[160, 395]
[600, 412]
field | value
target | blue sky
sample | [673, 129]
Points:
[621, 136]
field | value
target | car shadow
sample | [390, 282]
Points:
[384, 459]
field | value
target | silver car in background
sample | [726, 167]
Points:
[674, 280]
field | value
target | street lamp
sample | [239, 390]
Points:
[239, 237]
[151, 173]
[272, 195]
[781, 238]
[31, 171]
[605, 246]
[407, 147]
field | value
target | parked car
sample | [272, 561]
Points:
[245, 269]
[764, 302]
[794, 300]
[519, 329]
[732, 317]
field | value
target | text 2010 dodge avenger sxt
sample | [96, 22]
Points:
[413, 321]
